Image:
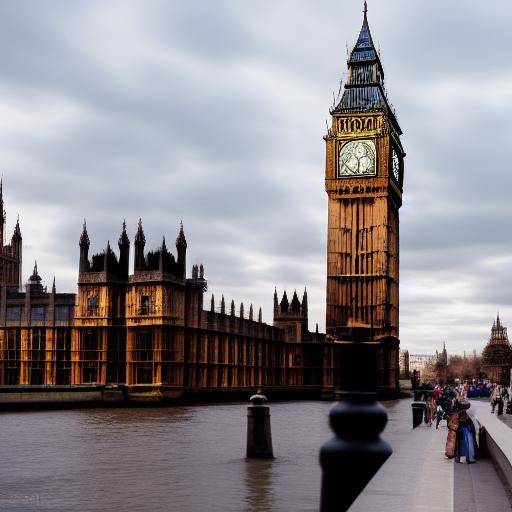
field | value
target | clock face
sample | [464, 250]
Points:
[396, 166]
[357, 158]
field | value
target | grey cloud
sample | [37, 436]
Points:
[214, 113]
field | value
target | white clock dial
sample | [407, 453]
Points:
[357, 158]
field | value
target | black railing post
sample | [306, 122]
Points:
[352, 457]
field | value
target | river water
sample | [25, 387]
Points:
[187, 458]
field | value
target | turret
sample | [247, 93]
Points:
[140, 243]
[163, 252]
[295, 305]
[181, 247]
[84, 249]
[284, 303]
[124, 252]
[17, 247]
[106, 258]
[34, 284]
[304, 308]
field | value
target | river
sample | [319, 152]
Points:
[186, 458]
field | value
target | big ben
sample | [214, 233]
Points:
[364, 183]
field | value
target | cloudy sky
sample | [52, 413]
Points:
[214, 112]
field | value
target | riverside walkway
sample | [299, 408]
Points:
[419, 478]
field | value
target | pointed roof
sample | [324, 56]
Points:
[364, 49]
[139, 236]
[295, 302]
[124, 241]
[17, 231]
[35, 277]
[284, 302]
[364, 89]
[181, 241]
[84, 238]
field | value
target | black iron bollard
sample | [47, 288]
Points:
[418, 411]
[500, 407]
[418, 395]
[259, 434]
[351, 458]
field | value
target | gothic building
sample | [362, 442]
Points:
[149, 331]
[497, 355]
[363, 180]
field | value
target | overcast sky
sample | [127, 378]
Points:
[214, 113]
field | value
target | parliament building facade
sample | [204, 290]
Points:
[150, 331]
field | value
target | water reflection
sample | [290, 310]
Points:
[258, 485]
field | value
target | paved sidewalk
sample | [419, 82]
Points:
[419, 478]
[477, 488]
[416, 478]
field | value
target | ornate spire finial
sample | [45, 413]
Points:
[139, 236]
[84, 238]
[53, 286]
[181, 241]
[17, 231]
[365, 8]
[124, 241]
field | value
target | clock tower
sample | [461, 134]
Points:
[364, 180]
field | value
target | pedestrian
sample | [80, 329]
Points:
[494, 398]
[439, 415]
[465, 445]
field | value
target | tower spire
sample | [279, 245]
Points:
[84, 238]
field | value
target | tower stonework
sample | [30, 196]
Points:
[363, 181]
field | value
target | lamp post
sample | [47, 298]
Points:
[356, 452]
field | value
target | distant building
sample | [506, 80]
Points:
[497, 355]
[430, 367]
[404, 364]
